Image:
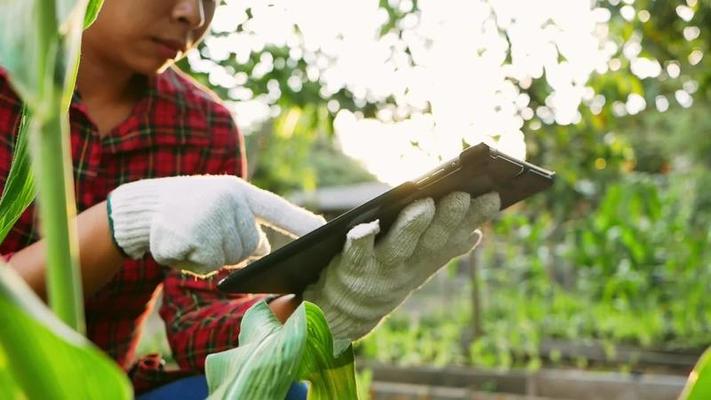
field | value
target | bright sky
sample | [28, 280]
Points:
[460, 69]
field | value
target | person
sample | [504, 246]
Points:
[159, 170]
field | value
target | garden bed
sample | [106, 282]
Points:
[425, 383]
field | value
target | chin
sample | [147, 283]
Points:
[152, 67]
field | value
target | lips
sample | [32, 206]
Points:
[169, 48]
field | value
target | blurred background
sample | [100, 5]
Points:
[597, 288]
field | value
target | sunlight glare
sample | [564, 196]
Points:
[453, 74]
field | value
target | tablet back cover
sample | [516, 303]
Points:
[478, 170]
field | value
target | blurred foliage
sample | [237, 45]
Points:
[615, 252]
[281, 153]
[608, 143]
[290, 153]
[634, 271]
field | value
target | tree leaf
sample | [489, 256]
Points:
[42, 358]
[271, 357]
[19, 190]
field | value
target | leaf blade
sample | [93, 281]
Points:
[271, 357]
[19, 190]
[45, 358]
[698, 387]
[246, 371]
[92, 11]
[330, 377]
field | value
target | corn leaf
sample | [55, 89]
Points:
[25, 61]
[41, 40]
[40, 47]
[42, 358]
[329, 377]
[271, 356]
[19, 190]
[66, 9]
[698, 387]
[92, 11]
[9, 389]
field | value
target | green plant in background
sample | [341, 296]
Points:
[271, 356]
[590, 258]
[630, 273]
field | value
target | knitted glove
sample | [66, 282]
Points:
[200, 223]
[366, 282]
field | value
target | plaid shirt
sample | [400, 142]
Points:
[177, 128]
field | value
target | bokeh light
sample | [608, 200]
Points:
[453, 73]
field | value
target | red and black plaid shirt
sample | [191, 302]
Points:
[178, 128]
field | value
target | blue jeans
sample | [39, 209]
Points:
[195, 388]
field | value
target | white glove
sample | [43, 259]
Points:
[200, 223]
[364, 283]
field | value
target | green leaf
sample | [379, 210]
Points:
[271, 357]
[26, 60]
[71, 9]
[330, 377]
[19, 190]
[40, 47]
[92, 11]
[698, 387]
[42, 358]
[66, 9]
[9, 389]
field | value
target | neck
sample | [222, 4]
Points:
[105, 83]
[109, 92]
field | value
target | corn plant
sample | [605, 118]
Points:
[271, 356]
[40, 50]
[698, 386]
[41, 355]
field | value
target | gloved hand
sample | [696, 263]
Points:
[200, 223]
[366, 282]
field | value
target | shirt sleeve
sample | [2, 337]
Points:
[10, 115]
[10, 112]
[200, 319]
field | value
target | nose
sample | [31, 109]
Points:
[190, 12]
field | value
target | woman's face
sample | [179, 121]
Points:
[146, 36]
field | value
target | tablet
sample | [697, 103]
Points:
[478, 170]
